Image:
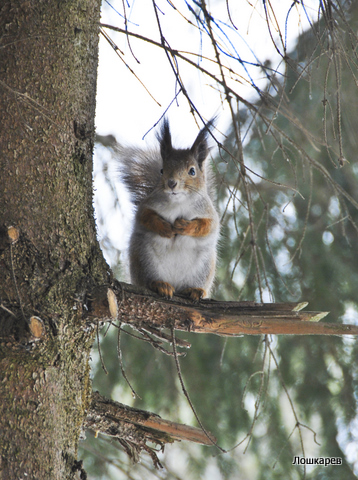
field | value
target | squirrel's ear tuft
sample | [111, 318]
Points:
[200, 148]
[165, 139]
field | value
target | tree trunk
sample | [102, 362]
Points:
[49, 256]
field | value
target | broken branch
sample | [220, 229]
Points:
[139, 307]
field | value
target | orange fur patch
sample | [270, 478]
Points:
[199, 227]
[163, 288]
[155, 223]
[194, 293]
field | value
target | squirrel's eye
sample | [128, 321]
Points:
[192, 171]
[161, 171]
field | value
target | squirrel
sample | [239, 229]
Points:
[173, 244]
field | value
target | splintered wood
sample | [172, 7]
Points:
[142, 308]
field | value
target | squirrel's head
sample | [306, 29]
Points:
[183, 170]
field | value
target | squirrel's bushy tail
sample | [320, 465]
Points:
[139, 170]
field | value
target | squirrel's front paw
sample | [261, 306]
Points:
[163, 288]
[181, 226]
[166, 230]
[155, 223]
[198, 227]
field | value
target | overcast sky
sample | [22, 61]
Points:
[125, 109]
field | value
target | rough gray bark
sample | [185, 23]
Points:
[49, 256]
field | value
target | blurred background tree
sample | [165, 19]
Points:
[287, 177]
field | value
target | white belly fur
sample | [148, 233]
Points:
[182, 261]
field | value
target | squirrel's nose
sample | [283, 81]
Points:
[172, 183]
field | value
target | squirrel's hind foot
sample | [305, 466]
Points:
[194, 293]
[163, 288]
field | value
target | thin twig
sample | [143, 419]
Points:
[186, 394]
